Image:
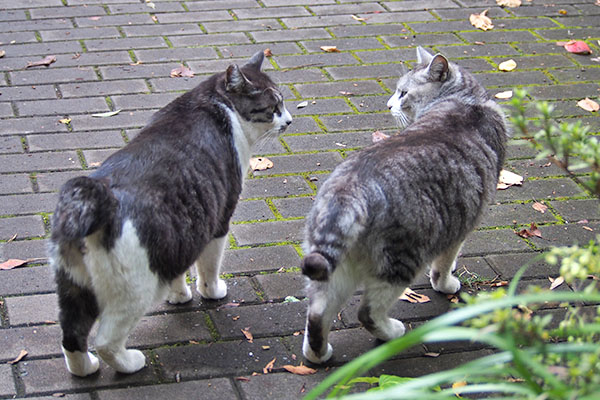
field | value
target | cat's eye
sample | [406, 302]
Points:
[262, 110]
[402, 93]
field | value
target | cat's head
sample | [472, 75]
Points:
[256, 97]
[419, 87]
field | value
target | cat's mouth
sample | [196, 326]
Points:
[401, 118]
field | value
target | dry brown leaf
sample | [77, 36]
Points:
[330, 49]
[15, 262]
[588, 105]
[269, 367]
[556, 282]
[481, 21]
[532, 231]
[354, 17]
[578, 47]
[432, 354]
[509, 3]
[248, 334]
[508, 179]
[242, 378]
[21, 356]
[456, 385]
[587, 228]
[507, 65]
[413, 297]
[504, 95]
[378, 136]
[260, 163]
[453, 298]
[300, 369]
[265, 347]
[46, 61]
[181, 71]
[539, 207]
[268, 53]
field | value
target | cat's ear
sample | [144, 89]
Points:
[235, 81]
[256, 61]
[403, 69]
[438, 68]
[423, 56]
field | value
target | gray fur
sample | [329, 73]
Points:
[408, 202]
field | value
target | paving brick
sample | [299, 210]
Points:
[304, 125]
[219, 359]
[293, 35]
[576, 75]
[414, 5]
[67, 141]
[316, 59]
[210, 39]
[67, 12]
[136, 71]
[52, 181]
[103, 88]
[329, 141]
[445, 26]
[143, 101]
[362, 72]
[51, 376]
[577, 210]
[15, 183]
[408, 40]
[278, 286]
[499, 36]
[260, 259]
[26, 249]
[94, 58]
[275, 187]
[112, 20]
[127, 119]
[80, 33]
[279, 231]
[62, 106]
[566, 235]
[22, 227]
[281, 386]
[253, 210]
[360, 8]
[6, 110]
[194, 16]
[302, 163]
[550, 10]
[125, 43]
[180, 327]
[94, 158]
[565, 91]
[248, 50]
[294, 207]
[568, 34]
[542, 61]
[298, 76]
[7, 383]
[18, 37]
[144, 8]
[507, 265]
[355, 122]
[345, 89]
[508, 214]
[179, 54]
[29, 203]
[478, 51]
[320, 106]
[211, 389]
[40, 341]
[493, 241]
[39, 161]
[36, 25]
[10, 144]
[12, 15]
[50, 75]
[161, 29]
[35, 309]
[277, 320]
[29, 92]
[42, 49]
[515, 78]
[27, 280]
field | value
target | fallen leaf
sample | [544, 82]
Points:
[151, 5]
[260, 163]
[106, 114]
[378, 136]
[181, 72]
[509, 3]
[499, 284]
[587, 228]
[58, 394]
[508, 179]
[539, 207]
[354, 17]
[242, 378]
[14, 263]
[588, 105]
[46, 61]
[330, 49]
[300, 369]
[2, 53]
[13, 237]
[432, 354]
[504, 95]
[507, 65]
[595, 59]
[345, 93]
[562, 12]
[94, 18]
[532, 231]
[302, 104]
[481, 21]
[235, 317]
[64, 120]
[457, 385]
[248, 334]
[412, 297]
[268, 53]
[265, 347]
[21, 356]
[576, 47]
[556, 282]
[453, 298]
[297, 333]
[269, 367]
[229, 305]
[290, 299]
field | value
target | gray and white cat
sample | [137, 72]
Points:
[404, 204]
[125, 236]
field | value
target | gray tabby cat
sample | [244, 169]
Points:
[403, 204]
[125, 236]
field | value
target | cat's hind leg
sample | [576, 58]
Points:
[208, 265]
[442, 279]
[179, 292]
[326, 298]
[377, 299]
[78, 312]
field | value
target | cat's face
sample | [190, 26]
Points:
[417, 88]
[256, 97]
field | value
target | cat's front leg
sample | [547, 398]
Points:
[179, 292]
[208, 265]
[442, 279]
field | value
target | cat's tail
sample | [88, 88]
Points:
[84, 206]
[333, 228]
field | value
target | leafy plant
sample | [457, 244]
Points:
[535, 357]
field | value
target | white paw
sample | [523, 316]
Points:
[216, 291]
[392, 330]
[81, 364]
[180, 296]
[128, 361]
[447, 286]
[311, 356]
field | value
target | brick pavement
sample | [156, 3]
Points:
[117, 54]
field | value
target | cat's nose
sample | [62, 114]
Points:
[288, 122]
[389, 107]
